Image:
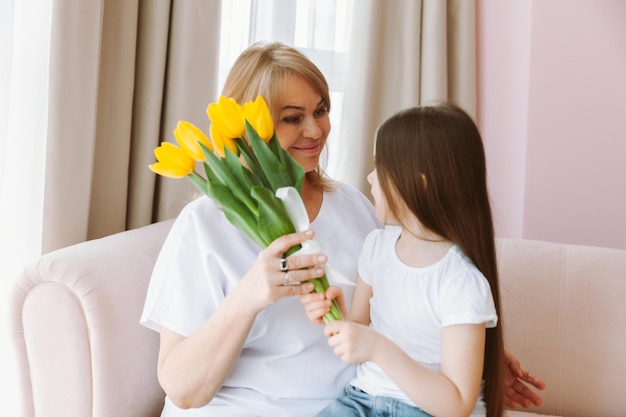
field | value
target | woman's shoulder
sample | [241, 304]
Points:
[347, 190]
[351, 204]
[349, 197]
[201, 202]
[203, 217]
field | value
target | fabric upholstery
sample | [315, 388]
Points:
[564, 310]
[75, 322]
[81, 351]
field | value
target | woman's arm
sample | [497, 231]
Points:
[452, 392]
[192, 369]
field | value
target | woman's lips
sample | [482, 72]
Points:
[314, 148]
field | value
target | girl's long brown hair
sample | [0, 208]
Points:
[433, 159]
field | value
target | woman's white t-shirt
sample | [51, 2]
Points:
[411, 305]
[286, 367]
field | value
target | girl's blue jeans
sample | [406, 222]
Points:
[357, 403]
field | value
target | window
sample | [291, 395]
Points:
[318, 28]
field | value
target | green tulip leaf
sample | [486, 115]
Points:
[273, 220]
[274, 171]
[236, 212]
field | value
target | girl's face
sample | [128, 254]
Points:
[303, 124]
[379, 199]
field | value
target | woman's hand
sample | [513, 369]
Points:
[267, 281]
[516, 392]
[317, 304]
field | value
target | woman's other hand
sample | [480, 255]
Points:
[516, 392]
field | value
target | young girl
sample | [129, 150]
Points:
[423, 317]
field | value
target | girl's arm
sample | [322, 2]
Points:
[360, 308]
[192, 369]
[452, 392]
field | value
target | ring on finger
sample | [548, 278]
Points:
[288, 281]
[283, 264]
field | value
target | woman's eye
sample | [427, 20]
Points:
[320, 112]
[292, 119]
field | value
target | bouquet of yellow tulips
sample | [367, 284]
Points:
[244, 167]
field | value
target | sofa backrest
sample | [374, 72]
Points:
[564, 309]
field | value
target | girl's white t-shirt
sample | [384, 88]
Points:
[411, 305]
[286, 367]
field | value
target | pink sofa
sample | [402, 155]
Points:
[82, 353]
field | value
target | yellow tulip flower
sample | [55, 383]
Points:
[173, 162]
[189, 137]
[227, 118]
[258, 115]
[221, 141]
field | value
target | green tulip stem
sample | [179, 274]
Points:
[198, 181]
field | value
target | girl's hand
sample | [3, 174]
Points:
[353, 342]
[266, 283]
[317, 304]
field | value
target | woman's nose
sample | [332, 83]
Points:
[312, 129]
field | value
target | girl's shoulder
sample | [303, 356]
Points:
[457, 257]
[382, 237]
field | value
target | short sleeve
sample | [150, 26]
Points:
[466, 298]
[193, 271]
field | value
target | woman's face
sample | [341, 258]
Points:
[303, 125]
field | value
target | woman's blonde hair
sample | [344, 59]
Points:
[263, 69]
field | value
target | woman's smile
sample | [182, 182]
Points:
[313, 148]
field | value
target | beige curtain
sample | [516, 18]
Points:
[403, 53]
[122, 73]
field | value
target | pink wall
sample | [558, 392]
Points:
[552, 111]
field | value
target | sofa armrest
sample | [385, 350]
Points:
[74, 320]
